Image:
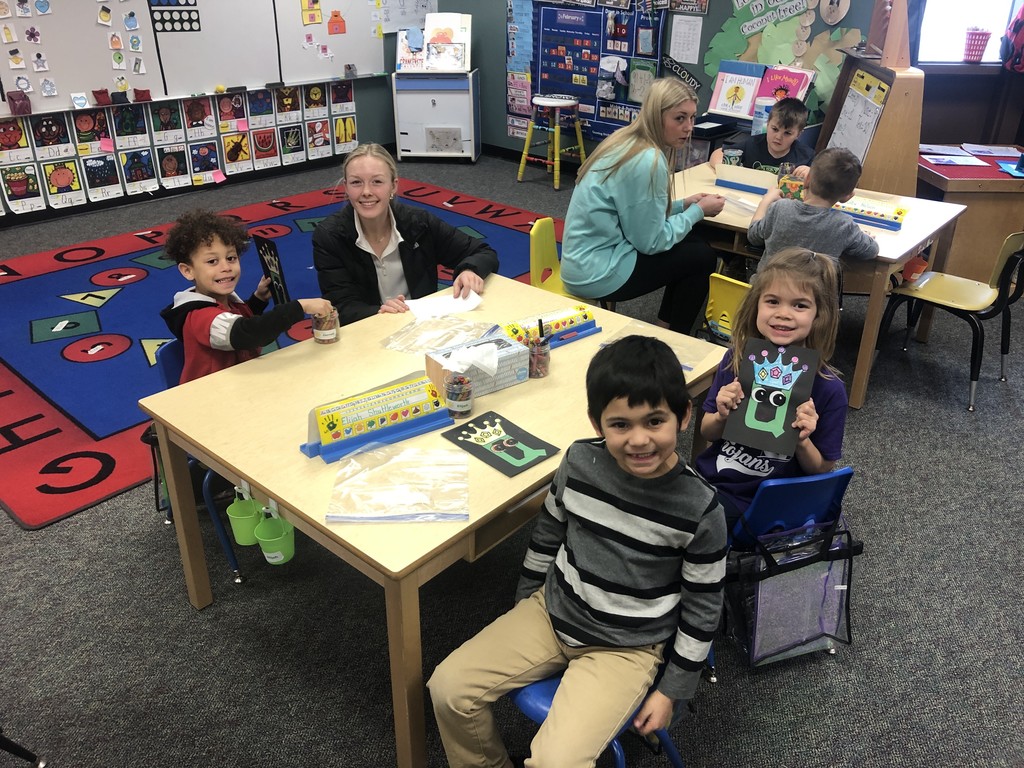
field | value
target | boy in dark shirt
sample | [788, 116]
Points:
[767, 151]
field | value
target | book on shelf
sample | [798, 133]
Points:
[735, 89]
[782, 82]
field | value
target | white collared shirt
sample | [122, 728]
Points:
[390, 275]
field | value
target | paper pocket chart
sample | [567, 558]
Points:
[775, 381]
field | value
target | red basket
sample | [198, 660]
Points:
[974, 48]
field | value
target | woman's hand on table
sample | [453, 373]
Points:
[711, 204]
[393, 306]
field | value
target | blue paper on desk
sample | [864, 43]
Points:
[1012, 168]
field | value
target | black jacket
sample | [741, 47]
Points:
[346, 272]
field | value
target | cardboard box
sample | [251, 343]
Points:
[513, 365]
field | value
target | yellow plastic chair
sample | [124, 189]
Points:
[969, 299]
[545, 271]
[724, 297]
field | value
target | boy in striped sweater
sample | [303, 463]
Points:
[621, 587]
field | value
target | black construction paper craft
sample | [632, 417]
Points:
[270, 260]
[500, 443]
[775, 381]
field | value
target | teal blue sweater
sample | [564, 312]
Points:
[609, 222]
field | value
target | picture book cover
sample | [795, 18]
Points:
[736, 88]
[775, 381]
[782, 82]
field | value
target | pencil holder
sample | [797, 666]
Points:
[325, 328]
[458, 392]
[540, 357]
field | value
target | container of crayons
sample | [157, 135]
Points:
[540, 353]
[325, 327]
[458, 392]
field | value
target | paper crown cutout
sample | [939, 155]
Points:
[776, 373]
[488, 434]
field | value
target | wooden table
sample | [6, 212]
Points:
[927, 222]
[995, 209]
[247, 423]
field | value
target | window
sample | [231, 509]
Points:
[945, 24]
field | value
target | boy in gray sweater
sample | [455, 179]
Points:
[812, 223]
[621, 587]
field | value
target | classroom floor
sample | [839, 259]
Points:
[107, 664]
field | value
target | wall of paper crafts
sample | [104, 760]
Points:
[66, 159]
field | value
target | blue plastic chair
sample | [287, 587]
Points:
[170, 361]
[534, 701]
[791, 503]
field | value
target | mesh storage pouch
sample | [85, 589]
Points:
[791, 595]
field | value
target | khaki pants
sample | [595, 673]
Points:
[599, 692]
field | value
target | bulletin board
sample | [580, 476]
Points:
[211, 42]
[606, 57]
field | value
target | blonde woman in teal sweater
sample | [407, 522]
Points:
[624, 234]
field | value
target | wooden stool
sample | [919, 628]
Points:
[550, 107]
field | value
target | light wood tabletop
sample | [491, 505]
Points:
[247, 423]
[926, 222]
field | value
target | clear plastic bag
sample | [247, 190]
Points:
[394, 483]
[435, 333]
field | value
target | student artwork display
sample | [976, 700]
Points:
[199, 120]
[130, 129]
[51, 137]
[775, 380]
[292, 140]
[204, 161]
[102, 181]
[21, 188]
[261, 108]
[265, 152]
[288, 104]
[318, 139]
[14, 145]
[237, 153]
[314, 101]
[345, 139]
[92, 130]
[167, 121]
[63, 183]
[173, 166]
[500, 444]
[138, 171]
[91, 154]
[270, 261]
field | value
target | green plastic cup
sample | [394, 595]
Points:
[276, 538]
[244, 515]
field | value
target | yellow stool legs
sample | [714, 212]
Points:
[551, 109]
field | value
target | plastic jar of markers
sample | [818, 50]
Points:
[458, 392]
[540, 357]
[325, 328]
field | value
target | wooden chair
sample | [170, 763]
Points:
[534, 701]
[968, 299]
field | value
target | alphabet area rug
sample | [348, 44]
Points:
[82, 329]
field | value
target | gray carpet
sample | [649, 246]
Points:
[106, 664]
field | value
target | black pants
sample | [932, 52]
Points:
[683, 271]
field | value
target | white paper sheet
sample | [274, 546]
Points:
[440, 306]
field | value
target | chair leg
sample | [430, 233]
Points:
[977, 350]
[669, 748]
[218, 526]
[1004, 343]
[620, 756]
[14, 748]
[709, 665]
[914, 310]
[579, 136]
[558, 146]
